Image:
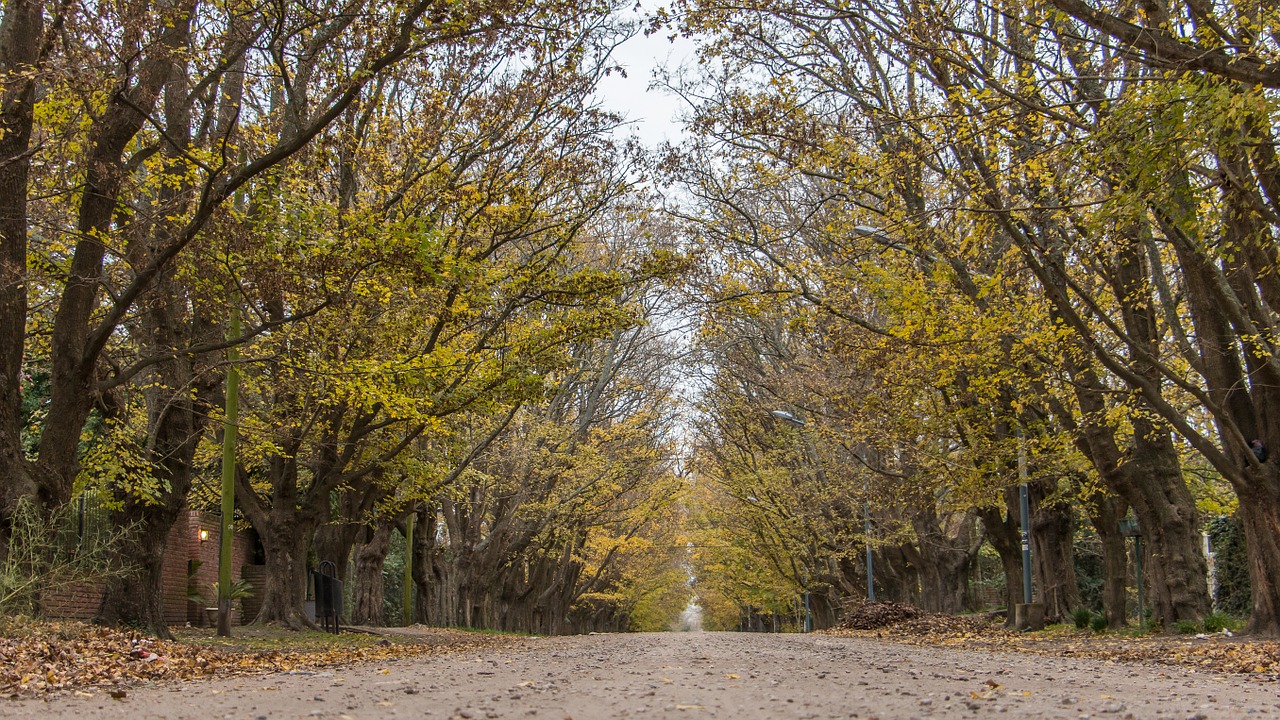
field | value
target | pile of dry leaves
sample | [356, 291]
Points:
[876, 615]
[47, 657]
[1216, 653]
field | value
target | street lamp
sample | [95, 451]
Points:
[871, 582]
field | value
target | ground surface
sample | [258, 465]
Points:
[692, 675]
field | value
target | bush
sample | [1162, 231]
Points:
[42, 557]
[1098, 623]
[1082, 616]
[1186, 627]
[1217, 622]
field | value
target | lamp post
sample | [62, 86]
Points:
[1024, 506]
[1028, 615]
[871, 575]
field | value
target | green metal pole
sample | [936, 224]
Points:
[229, 428]
[407, 591]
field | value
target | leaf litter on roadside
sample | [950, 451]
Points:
[1216, 653]
[38, 658]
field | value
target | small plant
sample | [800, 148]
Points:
[1099, 623]
[1081, 617]
[1186, 627]
[1217, 622]
[239, 589]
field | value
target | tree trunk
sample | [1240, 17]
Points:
[1005, 536]
[1106, 515]
[333, 542]
[20, 34]
[1170, 526]
[284, 544]
[368, 590]
[896, 577]
[1149, 479]
[137, 599]
[1053, 554]
[944, 551]
[177, 395]
[1260, 519]
[74, 347]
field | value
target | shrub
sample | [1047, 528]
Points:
[41, 558]
[1186, 627]
[1217, 622]
[1082, 616]
[1098, 623]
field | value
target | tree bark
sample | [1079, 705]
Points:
[73, 360]
[1004, 535]
[368, 592]
[1106, 513]
[944, 551]
[20, 34]
[1053, 554]
[1260, 519]
[285, 544]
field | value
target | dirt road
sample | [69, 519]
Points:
[696, 675]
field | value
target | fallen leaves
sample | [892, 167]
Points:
[876, 615]
[1217, 653]
[38, 658]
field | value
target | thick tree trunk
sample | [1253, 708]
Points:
[1106, 515]
[74, 347]
[177, 396]
[1053, 554]
[285, 543]
[368, 591]
[20, 33]
[137, 599]
[896, 577]
[1260, 519]
[1149, 479]
[943, 556]
[1004, 535]
[333, 542]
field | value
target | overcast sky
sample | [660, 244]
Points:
[652, 112]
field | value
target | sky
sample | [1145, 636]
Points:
[652, 112]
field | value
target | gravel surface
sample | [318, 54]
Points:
[694, 675]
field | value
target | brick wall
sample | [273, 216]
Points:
[184, 545]
[78, 602]
[207, 553]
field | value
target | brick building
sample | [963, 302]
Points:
[191, 561]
